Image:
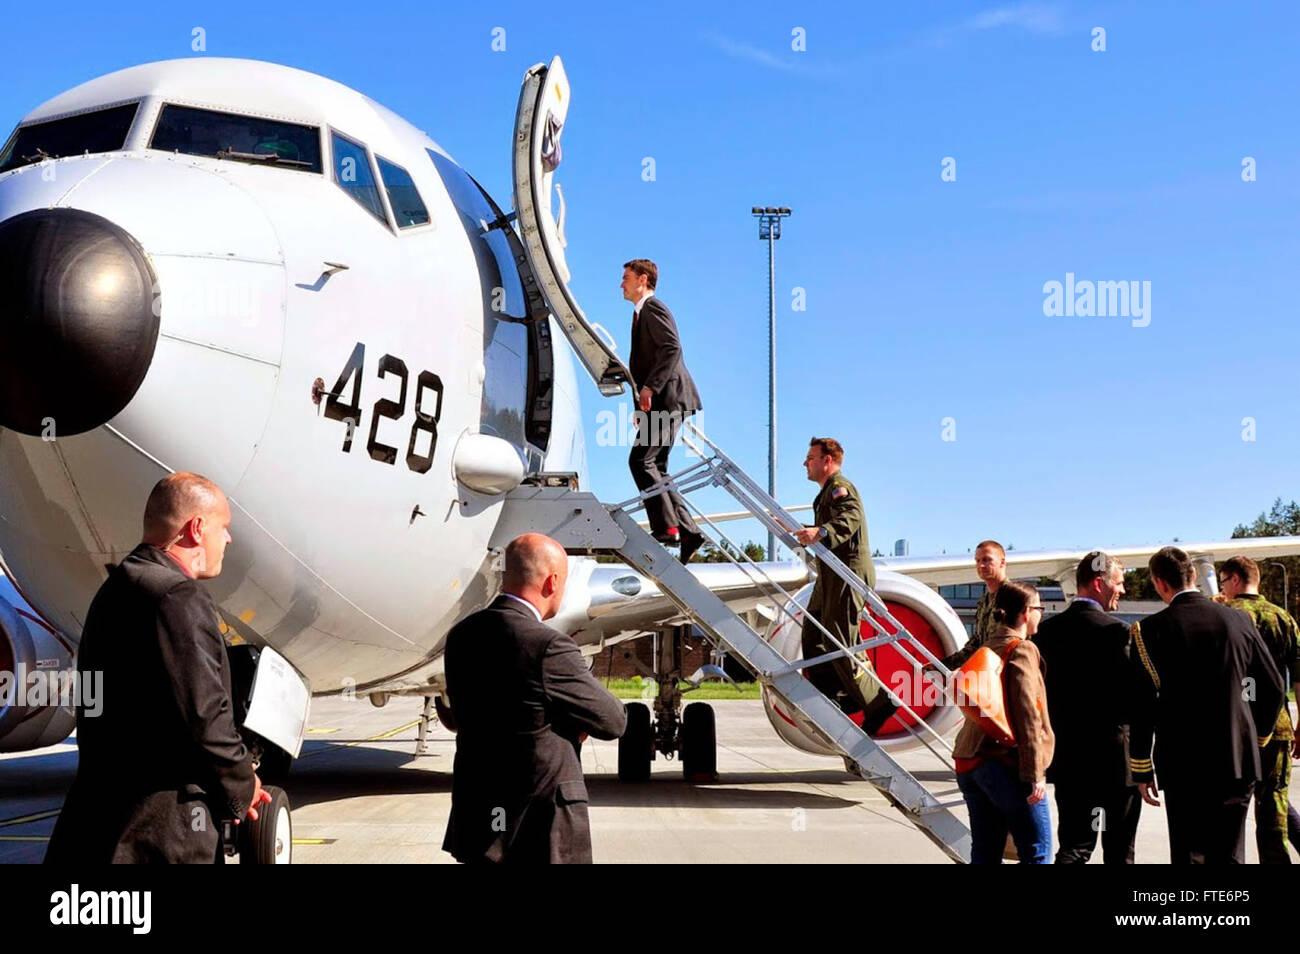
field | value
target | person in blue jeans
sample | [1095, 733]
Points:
[1005, 787]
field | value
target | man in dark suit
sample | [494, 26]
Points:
[523, 699]
[1086, 651]
[1205, 686]
[162, 765]
[666, 397]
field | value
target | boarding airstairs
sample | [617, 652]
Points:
[582, 524]
[551, 504]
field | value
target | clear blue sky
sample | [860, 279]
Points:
[924, 297]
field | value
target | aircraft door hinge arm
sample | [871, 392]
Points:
[504, 220]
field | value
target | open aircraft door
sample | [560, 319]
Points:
[539, 123]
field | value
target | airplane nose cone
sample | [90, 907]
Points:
[78, 321]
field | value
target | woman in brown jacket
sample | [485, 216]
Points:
[1005, 787]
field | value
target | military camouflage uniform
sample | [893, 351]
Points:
[838, 512]
[1282, 637]
[984, 629]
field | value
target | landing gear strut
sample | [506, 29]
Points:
[690, 734]
[427, 715]
[435, 710]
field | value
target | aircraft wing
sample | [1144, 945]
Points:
[1060, 564]
[618, 602]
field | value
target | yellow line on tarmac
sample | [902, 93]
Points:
[21, 819]
[391, 732]
[374, 738]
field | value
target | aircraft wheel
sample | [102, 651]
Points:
[444, 714]
[269, 840]
[635, 747]
[699, 743]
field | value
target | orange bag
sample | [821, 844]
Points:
[978, 686]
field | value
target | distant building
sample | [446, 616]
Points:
[902, 548]
[963, 597]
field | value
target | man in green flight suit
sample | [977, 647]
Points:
[991, 566]
[842, 528]
[1239, 582]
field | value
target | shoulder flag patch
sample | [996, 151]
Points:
[839, 492]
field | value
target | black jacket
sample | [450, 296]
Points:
[1086, 652]
[161, 764]
[520, 696]
[657, 363]
[1207, 689]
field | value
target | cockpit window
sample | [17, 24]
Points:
[104, 130]
[352, 173]
[408, 207]
[253, 139]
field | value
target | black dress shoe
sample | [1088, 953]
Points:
[880, 710]
[668, 539]
[690, 543]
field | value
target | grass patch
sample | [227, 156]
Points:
[646, 690]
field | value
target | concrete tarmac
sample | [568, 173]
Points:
[360, 795]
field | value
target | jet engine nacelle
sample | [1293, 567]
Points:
[36, 673]
[928, 617]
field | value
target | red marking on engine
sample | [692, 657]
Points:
[889, 661]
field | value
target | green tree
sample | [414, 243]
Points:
[1281, 520]
[1138, 585]
[723, 552]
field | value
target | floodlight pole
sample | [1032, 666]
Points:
[769, 229]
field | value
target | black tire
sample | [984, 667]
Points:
[444, 714]
[635, 748]
[699, 743]
[269, 840]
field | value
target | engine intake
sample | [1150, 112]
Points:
[928, 617]
[37, 678]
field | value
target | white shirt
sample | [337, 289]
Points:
[531, 608]
[642, 301]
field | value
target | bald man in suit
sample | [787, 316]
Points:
[522, 700]
[163, 765]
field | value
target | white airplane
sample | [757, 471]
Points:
[256, 273]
